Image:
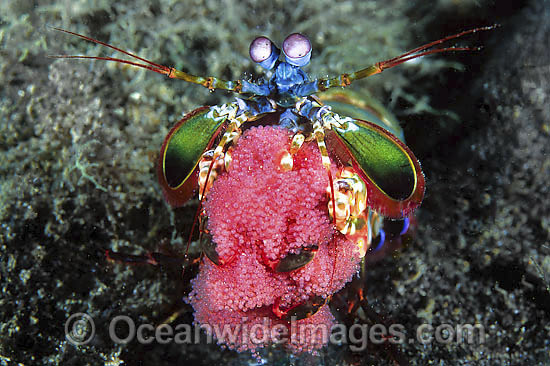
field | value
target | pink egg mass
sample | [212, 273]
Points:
[258, 213]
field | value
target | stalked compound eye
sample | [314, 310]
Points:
[297, 49]
[264, 52]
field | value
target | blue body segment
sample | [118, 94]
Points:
[288, 83]
[255, 89]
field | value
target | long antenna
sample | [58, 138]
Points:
[209, 82]
[346, 79]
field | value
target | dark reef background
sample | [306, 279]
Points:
[78, 142]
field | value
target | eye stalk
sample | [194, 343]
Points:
[264, 52]
[297, 49]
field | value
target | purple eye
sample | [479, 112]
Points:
[297, 49]
[264, 52]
